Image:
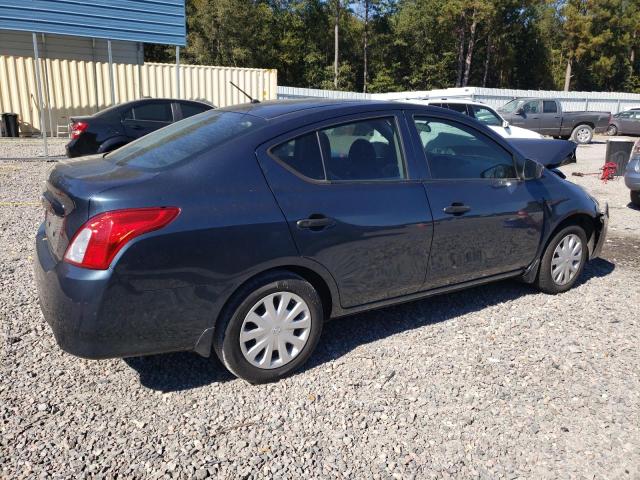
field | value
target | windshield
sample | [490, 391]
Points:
[512, 106]
[184, 139]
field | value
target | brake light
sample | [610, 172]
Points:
[77, 128]
[97, 242]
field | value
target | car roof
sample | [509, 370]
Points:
[429, 101]
[277, 108]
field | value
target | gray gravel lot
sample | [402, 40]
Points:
[495, 382]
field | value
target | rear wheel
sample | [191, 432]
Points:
[563, 260]
[635, 197]
[582, 134]
[612, 131]
[270, 328]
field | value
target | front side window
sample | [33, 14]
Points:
[486, 115]
[362, 150]
[530, 107]
[154, 112]
[458, 107]
[191, 109]
[549, 106]
[455, 151]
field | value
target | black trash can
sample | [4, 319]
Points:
[10, 124]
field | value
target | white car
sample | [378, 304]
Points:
[480, 112]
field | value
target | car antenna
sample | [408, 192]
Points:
[253, 100]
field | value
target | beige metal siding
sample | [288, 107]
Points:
[80, 86]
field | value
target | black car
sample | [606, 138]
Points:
[116, 126]
[242, 229]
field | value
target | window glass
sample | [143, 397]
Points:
[190, 109]
[530, 107]
[128, 114]
[364, 150]
[302, 154]
[458, 107]
[156, 112]
[549, 106]
[626, 114]
[182, 140]
[457, 152]
[485, 115]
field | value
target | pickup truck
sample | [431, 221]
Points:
[545, 116]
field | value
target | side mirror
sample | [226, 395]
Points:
[532, 170]
[519, 111]
[505, 124]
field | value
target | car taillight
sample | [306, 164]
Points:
[97, 242]
[77, 128]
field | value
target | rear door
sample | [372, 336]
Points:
[148, 117]
[345, 187]
[486, 220]
[550, 118]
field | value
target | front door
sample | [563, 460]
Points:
[486, 220]
[529, 116]
[147, 117]
[351, 205]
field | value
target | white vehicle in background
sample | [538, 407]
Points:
[480, 112]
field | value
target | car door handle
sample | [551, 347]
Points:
[456, 209]
[315, 222]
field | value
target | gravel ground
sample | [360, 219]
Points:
[495, 382]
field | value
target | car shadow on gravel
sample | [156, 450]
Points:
[184, 371]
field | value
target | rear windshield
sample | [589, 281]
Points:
[182, 140]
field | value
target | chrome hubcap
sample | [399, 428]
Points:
[275, 330]
[567, 258]
[583, 135]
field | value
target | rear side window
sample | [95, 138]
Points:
[191, 109]
[549, 106]
[302, 154]
[154, 112]
[455, 151]
[183, 140]
[363, 150]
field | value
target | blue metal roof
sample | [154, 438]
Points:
[149, 21]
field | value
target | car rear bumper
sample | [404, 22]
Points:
[94, 317]
[602, 234]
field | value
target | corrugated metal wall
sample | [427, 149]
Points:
[571, 101]
[81, 87]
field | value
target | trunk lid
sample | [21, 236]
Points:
[72, 191]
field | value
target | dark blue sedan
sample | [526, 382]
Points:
[241, 230]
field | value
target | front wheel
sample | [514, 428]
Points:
[270, 327]
[582, 134]
[563, 260]
[612, 130]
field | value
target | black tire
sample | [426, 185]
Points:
[612, 130]
[635, 197]
[545, 282]
[582, 134]
[226, 341]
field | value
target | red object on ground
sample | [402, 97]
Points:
[608, 171]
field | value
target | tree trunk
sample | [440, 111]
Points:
[469, 57]
[335, 40]
[461, 34]
[567, 75]
[487, 59]
[366, 26]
